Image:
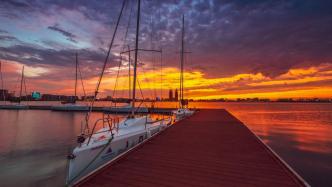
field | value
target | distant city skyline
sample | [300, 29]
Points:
[7, 96]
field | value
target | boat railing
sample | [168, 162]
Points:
[107, 121]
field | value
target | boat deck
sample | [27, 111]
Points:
[210, 148]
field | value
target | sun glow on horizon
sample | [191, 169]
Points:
[296, 83]
[310, 82]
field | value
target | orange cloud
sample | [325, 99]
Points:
[297, 82]
[294, 83]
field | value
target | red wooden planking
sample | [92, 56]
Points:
[211, 148]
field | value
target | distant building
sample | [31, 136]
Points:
[88, 98]
[51, 97]
[36, 95]
[170, 95]
[176, 95]
[4, 94]
[109, 98]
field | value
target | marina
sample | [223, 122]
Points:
[298, 132]
[165, 93]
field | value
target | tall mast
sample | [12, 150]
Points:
[136, 53]
[22, 77]
[2, 86]
[129, 74]
[182, 61]
[76, 76]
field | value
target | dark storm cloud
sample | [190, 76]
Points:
[7, 38]
[17, 4]
[252, 35]
[90, 61]
[3, 32]
[259, 36]
[71, 37]
[13, 9]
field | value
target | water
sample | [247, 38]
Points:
[34, 144]
[301, 133]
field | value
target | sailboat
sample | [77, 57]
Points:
[70, 104]
[126, 105]
[97, 149]
[15, 102]
[183, 111]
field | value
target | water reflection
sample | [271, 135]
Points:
[34, 145]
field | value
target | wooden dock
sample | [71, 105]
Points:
[211, 148]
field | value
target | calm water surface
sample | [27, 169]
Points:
[34, 144]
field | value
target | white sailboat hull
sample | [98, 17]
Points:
[14, 107]
[182, 113]
[115, 148]
[90, 158]
[124, 109]
[70, 107]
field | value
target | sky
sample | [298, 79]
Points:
[238, 49]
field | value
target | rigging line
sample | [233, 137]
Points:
[104, 66]
[158, 38]
[79, 71]
[117, 76]
[140, 89]
[21, 84]
[25, 90]
[161, 76]
[121, 95]
[148, 50]
[76, 66]
[128, 25]
[136, 54]
[182, 60]
[123, 47]
[152, 57]
[129, 75]
[15, 86]
[119, 81]
[148, 81]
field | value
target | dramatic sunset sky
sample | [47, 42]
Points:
[239, 48]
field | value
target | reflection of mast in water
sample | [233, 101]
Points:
[17, 131]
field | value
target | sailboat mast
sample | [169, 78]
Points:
[76, 75]
[129, 74]
[22, 77]
[182, 61]
[2, 86]
[136, 54]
